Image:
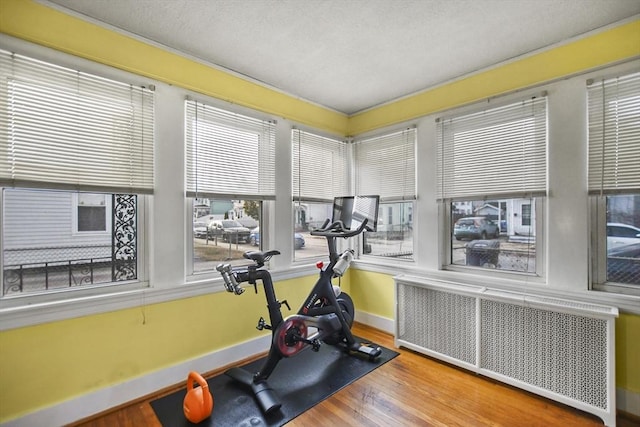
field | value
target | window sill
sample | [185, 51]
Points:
[33, 310]
[512, 283]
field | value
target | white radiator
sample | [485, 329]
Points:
[560, 349]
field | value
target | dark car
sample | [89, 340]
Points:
[475, 227]
[230, 230]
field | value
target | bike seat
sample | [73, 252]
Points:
[260, 257]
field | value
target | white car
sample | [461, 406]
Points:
[619, 234]
[200, 229]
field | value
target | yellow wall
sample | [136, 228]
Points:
[607, 47]
[47, 364]
[628, 352]
[372, 292]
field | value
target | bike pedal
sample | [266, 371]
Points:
[262, 325]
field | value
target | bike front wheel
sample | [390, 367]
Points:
[348, 311]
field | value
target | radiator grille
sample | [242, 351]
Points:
[439, 321]
[560, 349]
[563, 353]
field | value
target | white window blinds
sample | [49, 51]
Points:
[614, 135]
[319, 167]
[496, 153]
[65, 129]
[386, 166]
[228, 155]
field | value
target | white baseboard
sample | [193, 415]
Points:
[99, 401]
[628, 401]
[383, 323]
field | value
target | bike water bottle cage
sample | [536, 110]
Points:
[260, 257]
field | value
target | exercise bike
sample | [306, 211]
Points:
[326, 315]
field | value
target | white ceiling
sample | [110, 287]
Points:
[350, 55]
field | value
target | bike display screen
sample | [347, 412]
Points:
[353, 210]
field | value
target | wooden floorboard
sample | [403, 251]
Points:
[410, 390]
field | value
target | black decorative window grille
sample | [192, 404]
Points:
[124, 248]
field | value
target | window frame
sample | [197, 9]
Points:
[75, 216]
[191, 274]
[444, 203]
[537, 276]
[224, 121]
[405, 137]
[602, 183]
[598, 271]
[141, 187]
[309, 188]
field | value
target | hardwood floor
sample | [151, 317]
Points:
[410, 390]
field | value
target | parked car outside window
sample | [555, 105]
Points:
[254, 239]
[475, 227]
[200, 229]
[621, 234]
[230, 230]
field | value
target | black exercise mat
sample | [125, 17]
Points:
[300, 383]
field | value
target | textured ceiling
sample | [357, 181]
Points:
[350, 55]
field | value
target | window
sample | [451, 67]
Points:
[319, 174]
[491, 172]
[526, 214]
[76, 159]
[385, 166]
[223, 230]
[230, 172]
[91, 213]
[614, 182]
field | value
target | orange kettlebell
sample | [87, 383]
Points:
[198, 403]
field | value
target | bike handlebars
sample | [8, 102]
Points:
[230, 283]
[334, 229]
[337, 229]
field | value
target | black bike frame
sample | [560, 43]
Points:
[322, 291]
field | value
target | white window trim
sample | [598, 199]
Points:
[606, 183]
[135, 295]
[55, 298]
[444, 207]
[390, 260]
[32, 309]
[598, 254]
